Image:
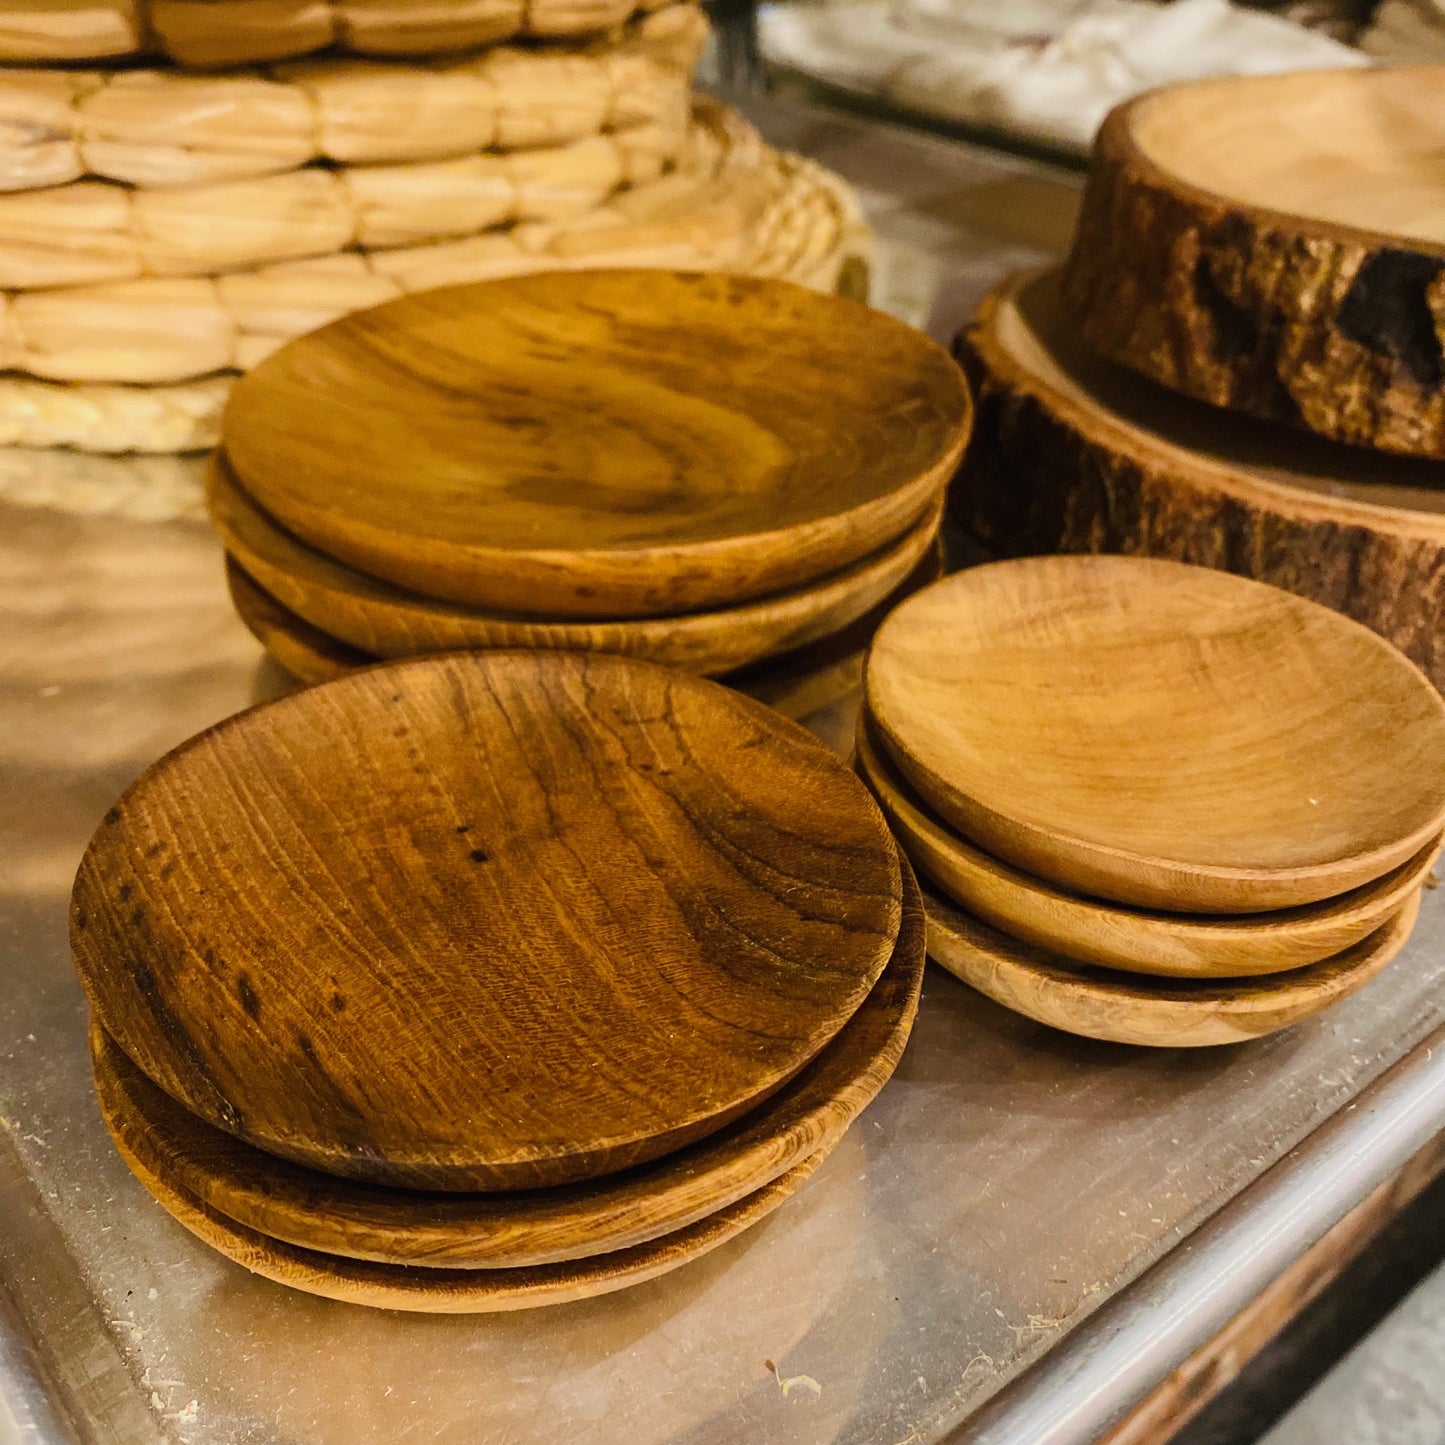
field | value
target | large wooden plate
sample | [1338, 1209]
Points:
[601, 444]
[1071, 453]
[1164, 736]
[389, 622]
[450, 1291]
[1129, 939]
[486, 921]
[1128, 1010]
[1275, 244]
[301, 1207]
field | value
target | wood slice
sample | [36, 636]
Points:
[382, 620]
[602, 444]
[1163, 736]
[1073, 454]
[1275, 244]
[486, 921]
[301, 1207]
[449, 1291]
[1126, 939]
[1125, 1009]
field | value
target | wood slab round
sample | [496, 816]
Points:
[387, 621]
[1276, 245]
[1129, 939]
[315, 1211]
[1164, 736]
[602, 443]
[1127, 1010]
[1071, 453]
[488, 920]
[451, 1291]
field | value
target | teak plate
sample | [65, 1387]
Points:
[306, 652]
[451, 1291]
[301, 1207]
[383, 620]
[1127, 1010]
[1132, 940]
[1164, 736]
[1071, 453]
[487, 920]
[1202, 202]
[602, 443]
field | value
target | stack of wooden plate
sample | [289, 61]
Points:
[163, 228]
[1159, 804]
[1241, 364]
[491, 980]
[702, 470]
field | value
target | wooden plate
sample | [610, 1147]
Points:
[1275, 244]
[378, 618]
[487, 920]
[316, 1211]
[1159, 735]
[1073, 454]
[1132, 940]
[1127, 1010]
[451, 1291]
[306, 652]
[602, 443]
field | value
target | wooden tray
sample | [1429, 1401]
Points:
[451, 1291]
[315, 1211]
[486, 921]
[1125, 1009]
[380, 619]
[598, 444]
[1164, 736]
[1128, 939]
[1274, 244]
[1073, 454]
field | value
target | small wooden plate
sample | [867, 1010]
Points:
[1159, 735]
[1127, 1010]
[315, 1211]
[382, 620]
[602, 443]
[306, 652]
[451, 1291]
[1084, 929]
[486, 920]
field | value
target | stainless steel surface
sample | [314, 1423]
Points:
[1008, 1183]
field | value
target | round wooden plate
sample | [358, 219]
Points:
[1132, 940]
[340, 1217]
[1071, 453]
[1126, 1010]
[1164, 736]
[378, 618]
[602, 443]
[306, 652]
[451, 1291]
[487, 920]
[1275, 244]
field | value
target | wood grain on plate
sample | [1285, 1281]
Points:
[1126, 1009]
[1165, 736]
[1275, 244]
[487, 920]
[450, 1291]
[1128, 939]
[306, 652]
[602, 443]
[1071, 453]
[299, 1206]
[381, 619]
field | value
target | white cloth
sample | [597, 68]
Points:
[1047, 70]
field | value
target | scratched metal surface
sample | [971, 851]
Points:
[1005, 1184]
